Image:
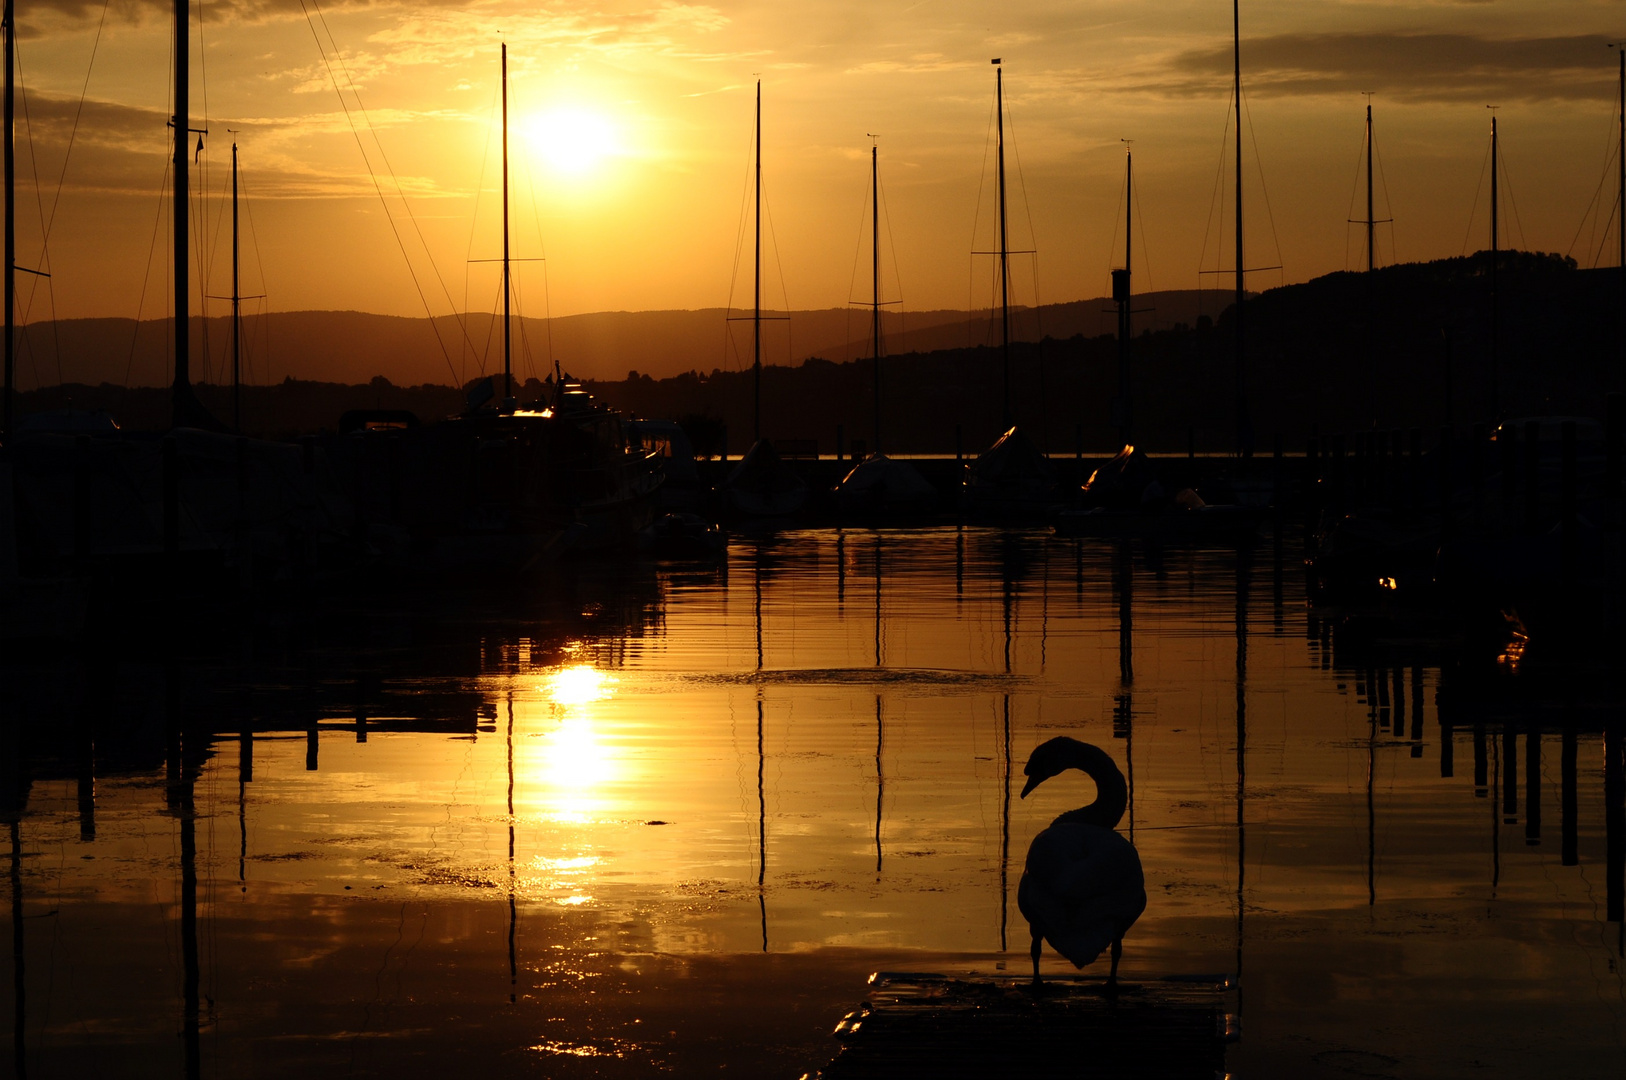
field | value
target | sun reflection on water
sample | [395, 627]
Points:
[577, 764]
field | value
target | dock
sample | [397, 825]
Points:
[917, 1024]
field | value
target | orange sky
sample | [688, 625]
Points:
[632, 133]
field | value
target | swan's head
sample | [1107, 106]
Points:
[1062, 753]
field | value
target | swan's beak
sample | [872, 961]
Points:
[1033, 782]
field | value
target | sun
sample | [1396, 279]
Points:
[572, 140]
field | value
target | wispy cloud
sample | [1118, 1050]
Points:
[1408, 67]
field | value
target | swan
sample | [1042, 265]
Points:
[1082, 887]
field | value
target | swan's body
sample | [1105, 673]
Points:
[1082, 888]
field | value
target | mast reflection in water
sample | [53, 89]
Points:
[377, 840]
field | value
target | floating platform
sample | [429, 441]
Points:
[931, 1025]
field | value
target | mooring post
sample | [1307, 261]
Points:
[1569, 854]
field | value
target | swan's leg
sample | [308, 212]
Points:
[1117, 954]
[1037, 940]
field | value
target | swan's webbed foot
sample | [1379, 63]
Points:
[1112, 976]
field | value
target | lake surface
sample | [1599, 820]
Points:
[667, 818]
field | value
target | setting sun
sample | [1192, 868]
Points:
[571, 140]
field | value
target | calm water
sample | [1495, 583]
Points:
[666, 819]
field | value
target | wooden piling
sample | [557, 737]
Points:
[1567, 800]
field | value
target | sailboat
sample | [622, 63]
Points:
[199, 504]
[761, 485]
[504, 486]
[1012, 478]
[880, 485]
[1123, 498]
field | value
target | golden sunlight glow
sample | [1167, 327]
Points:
[576, 764]
[572, 140]
[580, 684]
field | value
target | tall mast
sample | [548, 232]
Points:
[236, 307]
[1244, 438]
[11, 212]
[181, 391]
[1620, 207]
[507, 291]
[1121, 293]
[1496, 396]
[1004, 247]
[756, 303]
[1371, 227]
[875, 271]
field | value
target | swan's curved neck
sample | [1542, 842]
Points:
[1111, 792]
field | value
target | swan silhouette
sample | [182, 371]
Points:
[1082, 888]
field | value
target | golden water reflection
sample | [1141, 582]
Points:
[738, 793]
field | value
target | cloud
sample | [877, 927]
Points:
[122, 149]
[1407, 67]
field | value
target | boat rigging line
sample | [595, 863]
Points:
[412, 272]
[875, 303]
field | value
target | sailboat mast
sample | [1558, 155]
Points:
[181, 390]
[1620, 207]
[9, 108]
[875, 271]
[507, 290]
[1122, 294]
[1371, 227]
[1244, 438]
[236, 308]
[1004, 247]
[756, 303]
[1495, 366]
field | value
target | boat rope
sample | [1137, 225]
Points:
[784, 292]
[1594, 246]
[976, 219]
[202, 245]
[852, 283]
[146, 273]
[1354, 195]
[1259, 164]
[39, 206]
[1473, 207]
[892, 245]
[1388, 206]
[264, 301]
[1216, 206]
[377, 187]
[474, 225]
[1507, 186]
[1139, 206]
[542, 257]
[739, 246]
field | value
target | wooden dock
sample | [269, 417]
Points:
[930, 1025]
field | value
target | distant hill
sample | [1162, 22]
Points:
[1408, 347]
[353, 347]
